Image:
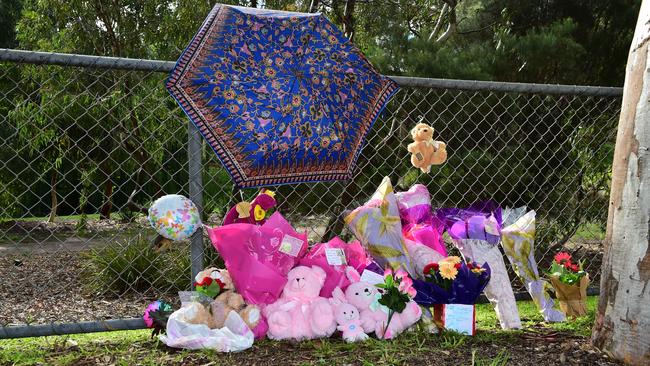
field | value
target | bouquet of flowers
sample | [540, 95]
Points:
[209, 282]
[451, 287]
[156, 315]
[398, 292]
[570, 282]
[451, 281]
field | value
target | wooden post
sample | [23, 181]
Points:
[622, 327]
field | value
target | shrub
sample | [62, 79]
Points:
[132, 266]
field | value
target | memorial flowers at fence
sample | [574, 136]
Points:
[451, 287]
[570, 282]
[156, 315]
[452, 281]
[397, 293]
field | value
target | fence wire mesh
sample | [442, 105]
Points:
[84, 151]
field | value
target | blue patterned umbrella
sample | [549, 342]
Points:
[280, 97]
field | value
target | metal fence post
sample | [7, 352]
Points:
[196, 193]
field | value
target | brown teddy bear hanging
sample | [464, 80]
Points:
[424, 150]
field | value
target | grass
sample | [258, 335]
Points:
[136, 347]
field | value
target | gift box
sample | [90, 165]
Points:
[571, 297]
[460, 318]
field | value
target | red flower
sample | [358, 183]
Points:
[221, 284]
[206, 281]
[562, 257]
[431, 267]
[457, 265]
[470, 265]
[573, 267]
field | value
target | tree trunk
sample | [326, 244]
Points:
[313, 7]
[348, 19]
[106, 172]
[53, 196]
[623, 320]
[107, 206]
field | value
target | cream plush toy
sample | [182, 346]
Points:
[425, 151]
[226, 301]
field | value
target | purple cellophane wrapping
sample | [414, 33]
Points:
[465, 289]
[480, 221]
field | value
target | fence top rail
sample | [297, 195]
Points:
[120, 63]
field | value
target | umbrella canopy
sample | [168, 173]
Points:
[280, 97]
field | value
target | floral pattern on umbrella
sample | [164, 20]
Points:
[281, 97]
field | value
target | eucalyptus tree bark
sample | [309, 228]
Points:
[622, 327]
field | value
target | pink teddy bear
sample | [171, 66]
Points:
[300, 313]
[347, 317]
[374, 316]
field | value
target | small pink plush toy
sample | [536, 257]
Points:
[373, 315]
[301, 313]
[347, 317]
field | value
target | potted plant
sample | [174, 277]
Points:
[570, 282]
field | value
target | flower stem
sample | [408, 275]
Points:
[390, 316]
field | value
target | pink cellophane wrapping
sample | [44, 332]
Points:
[418, 223]
[414, 205]
[427, 234]
[252, 255]
[355, 256]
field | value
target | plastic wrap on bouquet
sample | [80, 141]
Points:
[465, 288]
[429, 234]
[498, 291]
[518, 241]
[377, 225]
[258, 258]
[414, 205]
[333, 257]
[183, 332]
[479, 221]
[421, 255]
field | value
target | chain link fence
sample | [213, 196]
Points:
[87, 143]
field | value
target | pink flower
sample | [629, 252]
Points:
[401, 274]
[412, 292]
[388, 272]
[154, 306]
[562, 257]
[406, 286]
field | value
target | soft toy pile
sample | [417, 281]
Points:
[276, 285]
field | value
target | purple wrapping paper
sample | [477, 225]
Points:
[481, 221]
[414, 205]
[465, 289]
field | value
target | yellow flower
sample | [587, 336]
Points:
[452, 259]
[448, 270]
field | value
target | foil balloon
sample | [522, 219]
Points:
[174, 217]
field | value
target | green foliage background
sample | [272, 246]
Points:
[91, 129]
